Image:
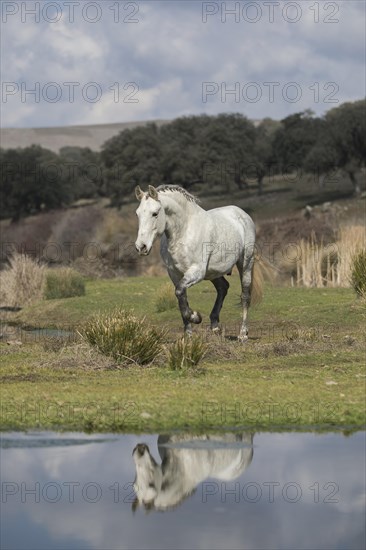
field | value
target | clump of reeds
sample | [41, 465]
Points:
[186, 353]
[123, 336]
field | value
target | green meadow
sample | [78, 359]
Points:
[303, 366]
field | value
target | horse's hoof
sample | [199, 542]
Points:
[216, 329]
[243, 338]
[196, 318]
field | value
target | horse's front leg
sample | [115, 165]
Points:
[190, 278]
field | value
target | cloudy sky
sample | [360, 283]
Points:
[87, 62]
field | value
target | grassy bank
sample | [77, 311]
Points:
[303, 365]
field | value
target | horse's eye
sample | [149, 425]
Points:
[155, 214]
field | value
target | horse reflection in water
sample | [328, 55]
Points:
[186, 462]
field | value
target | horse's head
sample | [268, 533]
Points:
[148, 479]
[151, 217]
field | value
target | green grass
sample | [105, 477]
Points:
[281, 306]
[302, 367]
[265, 393]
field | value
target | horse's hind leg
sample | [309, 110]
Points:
[222, 286]
[245, 272]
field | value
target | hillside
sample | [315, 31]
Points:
[54, 138]
[92, 136]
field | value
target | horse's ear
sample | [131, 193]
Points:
[139, 193]
[153, 192]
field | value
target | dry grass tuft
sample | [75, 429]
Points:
[22, 282]
[318, 265]
[282, 348]
[352, 239]
[78, 355]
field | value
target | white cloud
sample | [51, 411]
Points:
[170, 52]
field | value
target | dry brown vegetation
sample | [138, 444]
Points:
[22, 282]
[320, 265]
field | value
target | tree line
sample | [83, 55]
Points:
[227, 150]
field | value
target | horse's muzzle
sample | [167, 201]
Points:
[142, 250]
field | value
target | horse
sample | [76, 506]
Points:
[187, 461]
[198, 244]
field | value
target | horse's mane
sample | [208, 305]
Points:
[177, 188]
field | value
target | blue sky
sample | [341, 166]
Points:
[107, 61]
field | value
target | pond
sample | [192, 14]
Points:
[229, 490]
[11, 333]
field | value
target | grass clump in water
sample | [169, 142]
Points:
[123, 336]
[186, 353]
[64, 282]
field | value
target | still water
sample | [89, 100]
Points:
[242, 490]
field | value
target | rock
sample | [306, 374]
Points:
[307, 211]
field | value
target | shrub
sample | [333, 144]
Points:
[63, 282]
[123, 336]
[166, 298]
[358, 273]
[186, 353]
[22, 282]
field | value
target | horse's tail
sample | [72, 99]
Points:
[262, 270]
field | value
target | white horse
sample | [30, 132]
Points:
[197, 244]
[186, 462]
